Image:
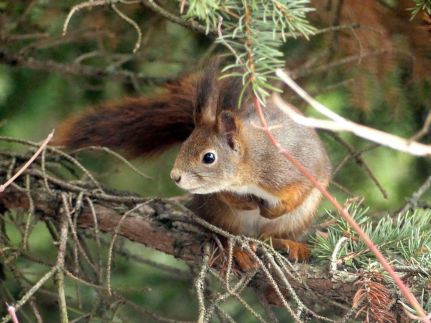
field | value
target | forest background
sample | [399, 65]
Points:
[368, 61]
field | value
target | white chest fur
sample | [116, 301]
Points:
[253, 224]
[272, 200]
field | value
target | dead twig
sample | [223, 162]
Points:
[424, 130]
[414, 199]
[28, 163]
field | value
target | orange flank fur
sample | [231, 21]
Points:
[290, 198]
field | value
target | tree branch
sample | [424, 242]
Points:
[192, 25]
[18, 60]
[160, 225]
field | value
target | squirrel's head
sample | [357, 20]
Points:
[209, 160]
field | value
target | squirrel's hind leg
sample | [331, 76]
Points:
[244, 260]
[297, 251]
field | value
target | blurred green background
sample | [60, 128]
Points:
[34, 101]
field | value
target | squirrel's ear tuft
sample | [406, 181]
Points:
[228, 126]
[208, 92]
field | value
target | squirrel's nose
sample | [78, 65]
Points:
[176, 176]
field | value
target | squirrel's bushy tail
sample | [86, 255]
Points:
[136, 126]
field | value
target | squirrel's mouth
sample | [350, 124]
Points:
[194, 187]
[201, 190]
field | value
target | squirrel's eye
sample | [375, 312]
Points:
[209, 158]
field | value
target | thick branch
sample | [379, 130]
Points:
[154, 224]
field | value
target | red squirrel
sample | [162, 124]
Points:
[239, 180]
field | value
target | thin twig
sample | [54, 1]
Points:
[200, 284]
[273, 284]
[28, 163]
[80, 70]
[78, 7]
[31, 291]
[301, 305]
[29, 213]
[58, 152]
[111, 247]
[132, 23]
[77, 244]
[413, 200]
[299, 73]
[192, 25]
[425, 128]
[43, 166]
[97, 237]
[116, 155]
[360, 161]
[334, 258]
[60, 261]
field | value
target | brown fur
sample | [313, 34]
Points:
[214, 209]
[239, 202]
